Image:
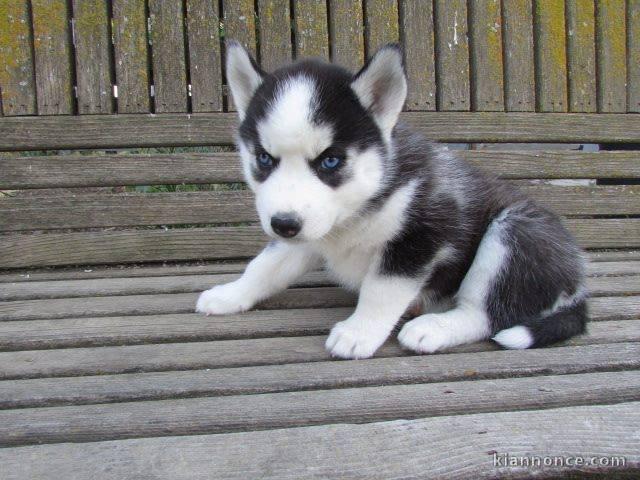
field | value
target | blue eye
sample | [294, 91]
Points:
[265, 160]
[330, 163]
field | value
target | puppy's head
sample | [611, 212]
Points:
[314, 138]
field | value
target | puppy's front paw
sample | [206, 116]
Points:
[223, 299]
[354, 338]
[425, 334]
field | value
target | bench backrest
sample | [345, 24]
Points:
[117, 75]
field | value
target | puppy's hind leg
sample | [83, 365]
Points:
[277, 266]
[469, 321]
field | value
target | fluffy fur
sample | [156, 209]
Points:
[398, 218]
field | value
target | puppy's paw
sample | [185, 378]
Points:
[425, 334]
[354, 338]
[223, 299]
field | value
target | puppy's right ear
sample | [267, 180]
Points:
[243, 76]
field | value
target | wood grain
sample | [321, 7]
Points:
[612, 55]
[17, 80]
[551, 56]
[275, 33]
[40, 392]
[346, 28]
[311, 29]
[237, 353]
[205, 67]
[519, 65]
[380, 24]
[385, 449]
[168, 56]
[487, 92]
[52, 49]
[581, 55]
[131, 54]
[417, 30]
[633, 56]
[94, 64]
[452, 55]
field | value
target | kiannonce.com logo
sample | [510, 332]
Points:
[541, 461]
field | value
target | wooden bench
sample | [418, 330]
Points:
[106, 372]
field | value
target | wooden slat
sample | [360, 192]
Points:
[519, 72]
[416, 30]
[240, 25]
[612, 56]
[224, 167]
[347, 33]
[609, 278]
[134, 209]
[452, 55]
[581, 55]
[487, 93]
[42, 392]
[275, 33]
[385, 449]
[168, 54]
[380, 24]
[220, 243]
[633, 55]
[52, 48]
[235, 353]
[551, 56]
[92, 37]
[111, 131]
[289, 409]
[311, 29]
[130, 246]
[136, 319]
[614, 255]
[16, 61]
[131, 56]
[205, 69]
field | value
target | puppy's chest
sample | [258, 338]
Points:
[349, 266]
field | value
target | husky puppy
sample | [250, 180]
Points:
[398, 218]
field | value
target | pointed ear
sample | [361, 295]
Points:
[243, 76]
[381, 86]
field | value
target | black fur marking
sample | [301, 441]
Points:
[336, 177]
[260, 173]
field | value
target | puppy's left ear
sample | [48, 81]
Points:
[243, 76]
[381, 86]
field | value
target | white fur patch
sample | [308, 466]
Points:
[243, 79]
[518, 337]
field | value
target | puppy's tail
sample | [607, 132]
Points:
[560, 325]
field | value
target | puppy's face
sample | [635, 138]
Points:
[313, 138]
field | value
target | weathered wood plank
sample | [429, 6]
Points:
[452, 55]
[487, 92]
[581, 55]
[223, 167]
[612, 56]
[92, 38]
[168, 56]
[613, 268]
[128, 209]
[633, 55]
[551, 56]
[385, 449]
[417, 33]
[128, 246]
[52, 49]
[294, 409]
[42, 392]
[311, 29]
[380, 24]
[346, 28]
[275, 33]
[205, 68]
[614, 255]
[240, 25]
[16, 61]
[134, 209]
[111, 131]
[235, 353]
[131, 54]
[519, 71]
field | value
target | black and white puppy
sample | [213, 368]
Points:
[400, 219]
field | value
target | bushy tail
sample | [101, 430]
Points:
[542, 331]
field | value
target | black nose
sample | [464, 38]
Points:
[286, 225]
